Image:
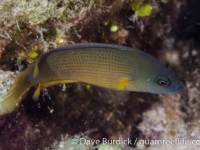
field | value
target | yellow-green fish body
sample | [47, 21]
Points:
[109, 66]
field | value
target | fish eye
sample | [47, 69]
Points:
[163, 81]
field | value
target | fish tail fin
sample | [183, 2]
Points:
[12, 99]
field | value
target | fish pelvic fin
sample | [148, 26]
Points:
[13, 98]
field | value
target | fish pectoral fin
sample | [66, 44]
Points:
[122, 83]
[42, 85]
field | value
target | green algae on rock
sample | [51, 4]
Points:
[114, 28]
[32, 54]
[142, 10]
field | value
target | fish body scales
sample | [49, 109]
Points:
[98, 66]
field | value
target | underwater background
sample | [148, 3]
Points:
[166, 29]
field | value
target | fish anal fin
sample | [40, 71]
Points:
[37, 92]
[49, 83]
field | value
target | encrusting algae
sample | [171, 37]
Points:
[109, 66]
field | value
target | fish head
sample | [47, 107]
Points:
[164, 84]
[153, 77]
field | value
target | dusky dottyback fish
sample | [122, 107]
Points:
[109, 66]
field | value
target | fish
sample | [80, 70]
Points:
[108, 66]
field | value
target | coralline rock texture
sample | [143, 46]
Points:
[166, 121]
[38, 12]
[6, 80]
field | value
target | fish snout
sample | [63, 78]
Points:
[180, 87]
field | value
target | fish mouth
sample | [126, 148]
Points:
[179, 88]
